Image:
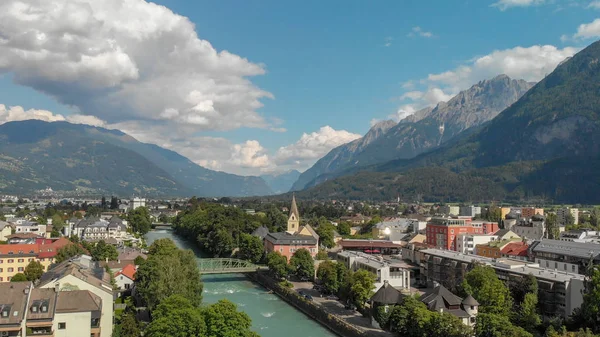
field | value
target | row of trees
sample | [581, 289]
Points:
[169, 284]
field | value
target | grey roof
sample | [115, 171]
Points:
[387, 295]
[13, 300]
[3, 224]
[440, 298]
[42, 298]
[78, 301]
[261, 232]
[568, 248]
[470, 300]
[284, 238]
[94, 276]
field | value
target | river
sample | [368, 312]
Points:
[271, 317]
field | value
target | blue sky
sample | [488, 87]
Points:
[323, 70]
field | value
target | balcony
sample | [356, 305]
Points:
[40, 331]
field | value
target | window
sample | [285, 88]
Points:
[30, 259]
[11, 269]
[20, 269]
[62, 325]
[1, 270]
[20, 260]
[11, 261]
[1, 261]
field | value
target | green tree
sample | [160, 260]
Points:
[139, 219]
[325, 232]
[114, 203]
[590, 308]
[168, 272]
[277, 264]
[321, 255]
[303, 264]
[68, 252]
[93, 211]
[494, 325]
[19, 277]
[491, 293]
[528, 318]
[522, 286]
[176, 316]
[219, 242]
[410, 318]
[103, 203]
[78, 215]
[552, 229]
[57, 223]
[446, 325]
[103, 251]
[327, 273]
[34, 270]
[343, 277]
[251, 248]
[343, 228]
[129, 326]
[139, 260]
[224, 320]
[362, 284]
[595, 217]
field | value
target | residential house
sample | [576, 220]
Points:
[393, 273]
[357, 219]
[13, 307]
[533, 228]
[287, 244]
[564, 256]
[529, 212]
[493, 249]
[81, 274]
[470, 211]
[5, 230]
[442, 300]
[126, 277]
[450, 210]
[80, 313]
[560, 293]
[129, 254]
[137, 202]
[31, 227]
[391, 230]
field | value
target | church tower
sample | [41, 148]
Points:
[293, 224]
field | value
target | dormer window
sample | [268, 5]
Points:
[34, 309]
[44, 308]
[4, 313]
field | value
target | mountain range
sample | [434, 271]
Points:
[36, 154]
[544, 147]
[423, 131]
[281, 182]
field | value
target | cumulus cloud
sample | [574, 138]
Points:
[128, 60]
[506, 4]
[17, 113]
[250, 154]
[418, 31]
[312, 146]
[588, 30]
[528, 63]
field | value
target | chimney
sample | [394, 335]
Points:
[56, 287]
[26, 290]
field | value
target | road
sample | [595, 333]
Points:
[337, 308]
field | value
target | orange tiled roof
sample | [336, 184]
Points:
[128, 270]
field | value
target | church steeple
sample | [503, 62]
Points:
[294, 217]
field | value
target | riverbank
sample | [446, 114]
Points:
[271, 316]
[337, 325]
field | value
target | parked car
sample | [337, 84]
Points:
[304, 279]
[308, 297]
[333, 297]
[302, 293]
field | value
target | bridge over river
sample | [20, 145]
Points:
[227, 266]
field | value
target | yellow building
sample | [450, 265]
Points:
[504, 211]
[15, 257]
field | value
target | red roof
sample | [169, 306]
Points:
[21, 248]
[368, 244]
[128, 270]
[515, 249]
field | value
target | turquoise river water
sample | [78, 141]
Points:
[271, 317]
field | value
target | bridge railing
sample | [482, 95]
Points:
[226, 265]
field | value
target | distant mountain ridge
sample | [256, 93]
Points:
[421, 132]
[64, 156]
[281, 182]
[545, 147]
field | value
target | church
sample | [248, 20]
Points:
[295, 237]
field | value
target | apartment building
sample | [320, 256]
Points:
[442, 232]
[563, 213]
[528, 212]
[25, 311]
[450, 210]
[533, 228]
[564, 256]
[559, 292]
[82, 274]
[580, 235]
[15, 257]
[94, 229]
[470, 211]
[467, 243]
[394, 273]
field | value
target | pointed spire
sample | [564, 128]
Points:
[294, 208]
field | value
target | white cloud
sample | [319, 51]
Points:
[388, 41]
[418, 31]
[124, 60]
[506, 4]
[594, 5]
[312, 146]
[588, 30]
[17, 113]
[528, 63]
[250, 155]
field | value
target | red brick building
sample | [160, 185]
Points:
[442, 232]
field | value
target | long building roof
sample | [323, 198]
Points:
[568, 248]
